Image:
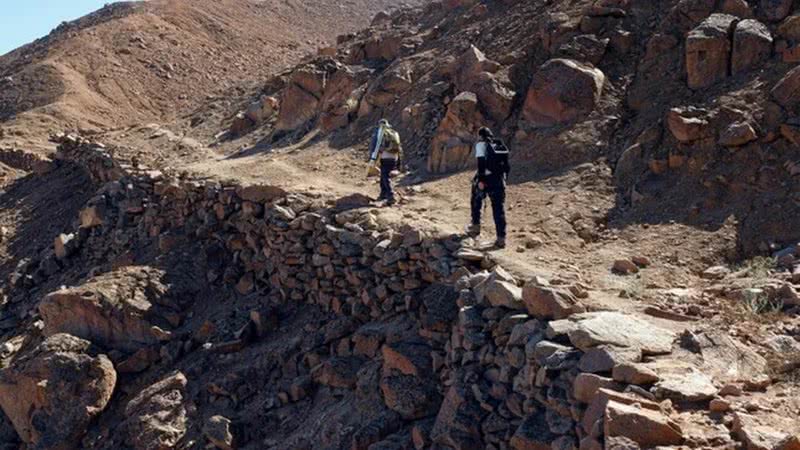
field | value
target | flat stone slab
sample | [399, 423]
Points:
[590, 330]
[468, 254]
[690, 386]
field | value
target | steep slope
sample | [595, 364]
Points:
[133, 62]
[229, 263]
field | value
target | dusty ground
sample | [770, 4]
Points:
[545, 215]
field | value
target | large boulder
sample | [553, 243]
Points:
[495, 97]
[156, 418]
[342, 97]
[394, 82]
[787, 91]
[474, 72]
[451, 148]
[562, 91]
[708, 49]
[119, 310]
[52, 393]
[298, 107]
[752, 45]
[300, 100]
[470, 64]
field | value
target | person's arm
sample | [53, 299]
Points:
[480, 154]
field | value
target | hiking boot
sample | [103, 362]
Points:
[500, 243]
[390, 202]
[472, 230]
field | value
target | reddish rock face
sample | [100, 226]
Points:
[752, 45]
[113, 310]
[341, 98]
[301, 98]
[562, 91]
[386, 47]
[708, 51]
[297, 107]
[451, 148]
[646, 427]
[52, 394]
[474, 72]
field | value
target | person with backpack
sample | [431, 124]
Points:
[387, 147]
[490, 181]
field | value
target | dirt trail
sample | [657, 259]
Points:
[542, 215]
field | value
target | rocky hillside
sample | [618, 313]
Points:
[136, 62]
[250, 317]
[202, 266]
[691, 103]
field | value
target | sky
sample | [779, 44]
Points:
[22, 21]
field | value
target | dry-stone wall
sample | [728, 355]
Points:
[496, 364]
[22, 160]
